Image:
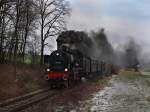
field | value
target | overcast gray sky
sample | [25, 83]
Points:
[120, 18]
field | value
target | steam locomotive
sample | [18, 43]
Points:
[66, 65]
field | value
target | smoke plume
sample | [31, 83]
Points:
[96, 45]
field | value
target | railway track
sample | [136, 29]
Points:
[21, 103]
[25, 102]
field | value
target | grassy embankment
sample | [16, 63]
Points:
[26, 80]
[130, 76]
[125, 75]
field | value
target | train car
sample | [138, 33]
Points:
[99, 67]
[86, 66]
[107, 69]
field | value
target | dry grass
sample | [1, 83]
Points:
[126, 75]
[27, 79]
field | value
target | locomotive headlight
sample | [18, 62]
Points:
[57, 54]
[66, 69]
[48, 70]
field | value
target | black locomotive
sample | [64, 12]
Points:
[71, 61]
[66, 65]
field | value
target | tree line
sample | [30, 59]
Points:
[26, 26]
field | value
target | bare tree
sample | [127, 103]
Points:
[23, 16]
[4, 23]
[34, 48]
[51, 13]
[19, 19]
[30, 22]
